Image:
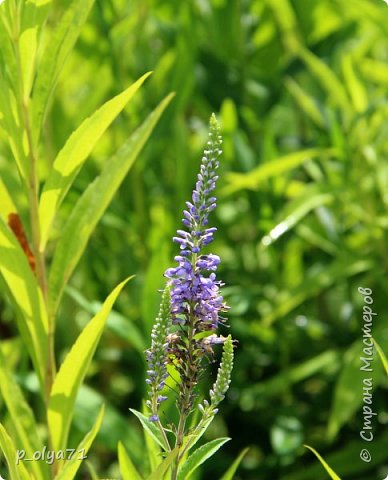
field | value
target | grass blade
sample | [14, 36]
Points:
[73, 371]
[229, 474]
[329, 470]
[315, 282]
[253, 179]
[382, 356]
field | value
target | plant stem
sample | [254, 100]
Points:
[33, 197]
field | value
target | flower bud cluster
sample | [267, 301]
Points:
[156, 355]
[221, 385]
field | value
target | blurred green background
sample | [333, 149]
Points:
[300, 87]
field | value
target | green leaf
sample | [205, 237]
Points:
[253, 179]
[54, 58]
[331, 472]
[7, 205]
[127, 468]
[10, 122]
[23, 420]
[153, 451]
[315, 282]
[326, 77]
[27, 298]
[345, 392]
[34, 13]
[117, 323]
[17, 471]
[306, 102]
[149, 427]
[281, 382]
[72, 373]
[162, 468]
[69, 471]
[355, 87]
[310, 199]
[229, 474]
[92, 205]
[74, 153]
[200, 456]
[382, 356]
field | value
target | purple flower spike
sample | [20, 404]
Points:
[195, 290]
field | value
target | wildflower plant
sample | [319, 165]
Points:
[186, 330]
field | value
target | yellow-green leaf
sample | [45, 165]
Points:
[326, 77]
[200, 455]
[34, 13]
[305, 101]
[229, 474]
[382, 356]
[54, 58]
[127, 468]
[69, 471]
[72, 373]
[26, 297]
[17, 470]
[92, 205]
[163, 467]
[329, 470]
[23, 420]
[253, 179]
[74, 153]
[7, 205]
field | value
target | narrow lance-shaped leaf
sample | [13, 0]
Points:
[27, 298]
[33, 15]
[382, 356]
[74, 153]
[229, 474]
[73, 371]
[72, 465]
[23, 420]
[328, 469]
[163, 467]
[316, 282]
[92, 205]
[7, 204]
[326, 77]
[345, 393]
[149, 427]
[54, 58]
[253, 179]
[16, 469]
[200, 456]
[310, 199]
[305, 101]
[127, 468]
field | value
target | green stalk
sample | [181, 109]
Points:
[33, 197]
